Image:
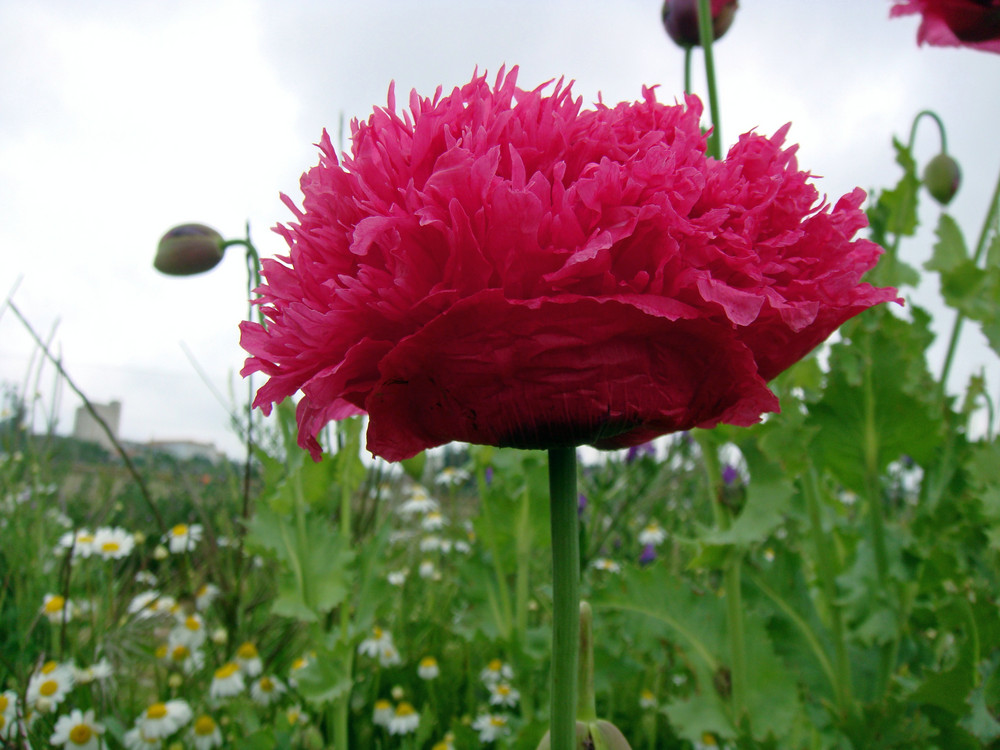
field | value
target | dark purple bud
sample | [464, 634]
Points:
[680, 19]
[730, 474]
[648, 555]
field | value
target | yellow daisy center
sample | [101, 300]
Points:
[85, 539]
[180, 529]
[3, 703]
[192, 623]
[428, 661]
[266, 684]
[55, 604]
[161, 651]
[204, 726]
[495, 665]
[110, 547]
[503, 689]
[226, 670]
[498, 721]
[382, 704]
[156, 711]
[405, 709]
[49, 688]
[80, 734]
[49, 667]
[181, 653]
[247, 651]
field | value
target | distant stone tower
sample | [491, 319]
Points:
[85, 427]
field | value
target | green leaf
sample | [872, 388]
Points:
[328, 676]
[772, 693]
[699, 715]
[879, 402]
[315, 563]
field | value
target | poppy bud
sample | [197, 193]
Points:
[188, 249]
[599, 735]
[942, 178]
[680, 19]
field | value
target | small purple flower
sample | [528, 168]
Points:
[648, 555]
[730, 474]
[581, 504]
[489, 475]
[638, 451]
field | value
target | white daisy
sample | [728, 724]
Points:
[99, 671]
[57, 609]
[404, 720]
[653, 534]
[502, 694]
[205, 595]
[266, 690]
[145, 578]
[297, 666]
[373, 645]
[451, 475]
[163, 719]
[205, 733]
[646, 699]
[419, 502]
[389, 656]
[78, 729]
[426, 569]
[433, 521]
[135, 740]
[80, 541]
[609, 566]
[428, 668]
[189, 631]
[8, 712]
[183, 657]
[382, 713]
[431, 543]
[48, 687]
[113, 543]
[397, 577]
[248, 659]
[227, 681]
[151, 603]
[496, 671]
[296, 716]
[183, 537]
[491, 727]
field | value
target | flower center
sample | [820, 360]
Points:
[192, 623]
[494, 666]
[80, 734]
[49, 688]
[247, 651]
[181, 653]
[156, 711]
[204, 726]
[110, 547]
[49, 667]
[227, 670]
[55, 604]
[180, 529]
[266, 685]
[405, 709]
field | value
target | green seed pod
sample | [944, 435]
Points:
[188, 249]
[595, 735]
[942, 177]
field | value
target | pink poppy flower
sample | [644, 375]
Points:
[504, 267]
[955, 23]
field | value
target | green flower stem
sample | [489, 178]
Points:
[687, 68]
[984, 234]
[827, 569]
[706, 34]
[586, 705]
[565, 596]
[732, 580]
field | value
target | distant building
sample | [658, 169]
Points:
[85, 427]
[184, 450]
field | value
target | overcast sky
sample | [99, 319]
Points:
[122, 118]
